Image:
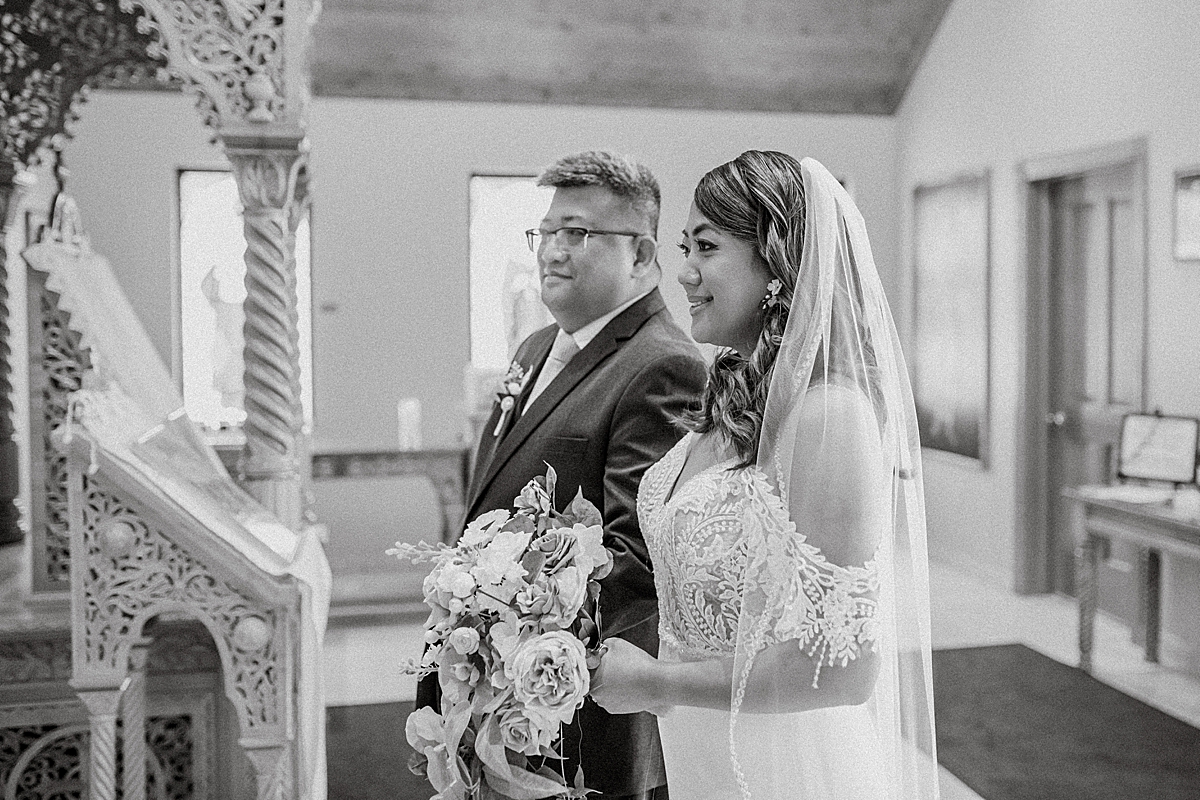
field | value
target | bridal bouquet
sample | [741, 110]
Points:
[513, 608]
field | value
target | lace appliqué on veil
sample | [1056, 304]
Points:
[723, 540]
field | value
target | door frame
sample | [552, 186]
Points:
[1032, 545]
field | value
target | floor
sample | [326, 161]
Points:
[364, 660]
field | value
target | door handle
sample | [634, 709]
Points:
[1056, 418]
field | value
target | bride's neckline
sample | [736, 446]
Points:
[687, 445]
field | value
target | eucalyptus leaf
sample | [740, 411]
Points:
[584, 511]
[515, 783]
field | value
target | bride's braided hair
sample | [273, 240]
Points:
[758, 198]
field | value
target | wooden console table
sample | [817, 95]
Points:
[1154, 528]
[446, 470]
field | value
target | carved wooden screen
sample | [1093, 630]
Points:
[56, 368]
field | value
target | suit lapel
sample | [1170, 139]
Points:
[533, 360]
[606, 342]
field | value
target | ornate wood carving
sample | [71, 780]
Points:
[58, 364]
[179, 648]
[35, 660]
[272, 182]
[102, 705]
[12, 186]
[246, 62]
[175, 744]
[42, 747]
[46, 761]
[132, 572]
[51, 52]
[126, 570]
[243, 59]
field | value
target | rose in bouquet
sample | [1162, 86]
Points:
[513, 612]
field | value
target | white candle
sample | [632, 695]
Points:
[408, 418]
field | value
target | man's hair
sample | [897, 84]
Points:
[621, 175]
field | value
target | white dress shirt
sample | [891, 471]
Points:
[582, 338]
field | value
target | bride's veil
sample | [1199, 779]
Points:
[850, 580]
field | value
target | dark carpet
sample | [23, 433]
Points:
[368, 754]
[1015, 725]
[1011, 723]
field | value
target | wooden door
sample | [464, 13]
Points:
[1095, 353]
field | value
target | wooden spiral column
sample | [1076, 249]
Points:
[13, 184]
[133, 724]
[270, 165]
[102, 703]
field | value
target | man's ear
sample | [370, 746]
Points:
[645, 257]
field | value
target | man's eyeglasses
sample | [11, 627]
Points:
[569, 238]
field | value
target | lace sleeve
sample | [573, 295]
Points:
[813, 576]
[826, 608]
[837, 584]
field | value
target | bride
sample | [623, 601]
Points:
[787, 527]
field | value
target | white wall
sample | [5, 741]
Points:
[121, 169]
[390, 237]
[390, 226]
[390, 220]
[122, 166]
[1000, 84]
[1005, 82]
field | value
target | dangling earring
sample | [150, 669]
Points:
[772, 294]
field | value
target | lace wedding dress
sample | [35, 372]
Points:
[698, 538]
[805, 574]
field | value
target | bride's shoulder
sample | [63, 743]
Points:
[837, 409]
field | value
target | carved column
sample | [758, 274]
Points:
[270, 165]
[270, 767]
[102, 705]
[133, 724]
[13, 184]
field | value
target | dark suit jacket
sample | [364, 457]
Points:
[600, 423]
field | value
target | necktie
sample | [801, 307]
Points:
[562, 351]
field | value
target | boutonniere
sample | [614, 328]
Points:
[511, 386]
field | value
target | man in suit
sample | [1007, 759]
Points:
[602, 388]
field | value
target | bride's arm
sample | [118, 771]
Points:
[631, 680]
[841, 501]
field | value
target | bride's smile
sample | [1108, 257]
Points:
[725, 280]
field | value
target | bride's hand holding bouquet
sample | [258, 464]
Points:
[513, 612]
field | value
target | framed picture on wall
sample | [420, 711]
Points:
[951, 302]
[1187, 215]
[506, 303]
[210, 287]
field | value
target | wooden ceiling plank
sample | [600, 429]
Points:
[836, 56]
